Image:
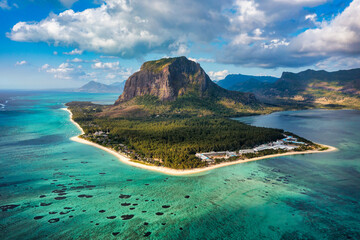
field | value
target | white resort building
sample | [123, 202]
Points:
[288, 143]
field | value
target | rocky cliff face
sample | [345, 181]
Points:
[170, 78]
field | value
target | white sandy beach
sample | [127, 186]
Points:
[75, 123]
[177, 172]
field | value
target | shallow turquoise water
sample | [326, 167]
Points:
[298, 197]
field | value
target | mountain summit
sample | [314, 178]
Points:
[178, 86]
[170, 78]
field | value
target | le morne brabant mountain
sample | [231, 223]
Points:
[308, 89]
[169, 111]
[178, 86]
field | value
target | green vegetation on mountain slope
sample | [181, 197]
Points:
[309, 89]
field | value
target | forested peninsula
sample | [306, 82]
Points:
[172, 115]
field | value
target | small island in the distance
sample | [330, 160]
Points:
[172, 118]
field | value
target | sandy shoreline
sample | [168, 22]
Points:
[75, 123]
[177, 172]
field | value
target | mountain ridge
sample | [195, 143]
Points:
[311, 88]
[233, 81]
[97, 87]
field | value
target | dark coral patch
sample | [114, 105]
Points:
[147, 234]
[38, 217]
[123, 196]
[45, 204]
[63, 213]
[187, 196]
[54, 220]
[102, 211]
[111, 217]
[115, 233]
[59, 198]
[42, 196]
[85, 196]
[159, 213]
[127, 217]
[165, 206]
[146, 223]
[125, 204]
[52, 212]
[4, 208]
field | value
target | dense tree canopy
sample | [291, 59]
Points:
[173, 140]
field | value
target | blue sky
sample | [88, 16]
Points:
[66, 43]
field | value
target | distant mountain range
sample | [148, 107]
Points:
[310, 88]
[240, 82]
[96, 87]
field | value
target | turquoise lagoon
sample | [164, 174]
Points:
[54, 188]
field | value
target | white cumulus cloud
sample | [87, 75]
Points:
[128, 28]
[19, 63]
[338, 36]
[199, 60]
[311, 17]
[4, 4]
[259, 33]
[76, 60]
[218, 75]
[106, 65]
[65, 71]
[74, 52]
[275, 47]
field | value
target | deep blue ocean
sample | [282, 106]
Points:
[54, 188]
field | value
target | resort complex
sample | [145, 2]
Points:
[288, 143]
